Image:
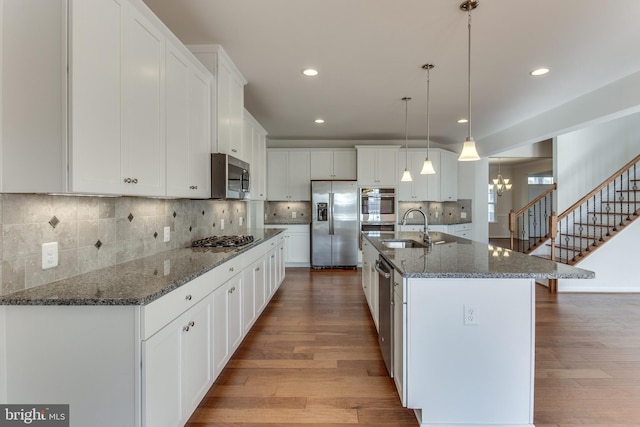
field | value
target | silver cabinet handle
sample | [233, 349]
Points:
[231, 269]
[189, 325]
[234, 150]
[383, 273]
[396, 284]
[232, 290]
[131, 180]
[257, 269]
[188, 297]
[193, 187]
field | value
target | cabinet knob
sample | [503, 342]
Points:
[234, 150]
[257, 268]
[131, 180]
[188, 297]
[232, 290]
[194, 187]
[231, 269]
[189, 326]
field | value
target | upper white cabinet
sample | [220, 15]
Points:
[288, 175]
[333, 164]
[187, 126]
[449, 176]
[228, 100]
[94, 80]
[255, 139]
[442, 186]
[378, 165]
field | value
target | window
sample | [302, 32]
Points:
[492, 203]
[540, 180]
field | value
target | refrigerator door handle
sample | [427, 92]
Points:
[331, 214]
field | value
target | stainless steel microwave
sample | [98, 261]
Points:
[229, 177]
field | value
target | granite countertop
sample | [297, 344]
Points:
[136, 282]
[463, 258]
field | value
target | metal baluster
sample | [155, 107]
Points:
[635, 191]
[621, 199]
[567, 237]
[607, 209]
[628, 193]
[574, 235]
[596, 213]
[615, 223]
[595, 219]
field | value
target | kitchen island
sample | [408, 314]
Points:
[463, 320]
[140, 343]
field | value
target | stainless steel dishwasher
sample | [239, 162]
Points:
[385, 313]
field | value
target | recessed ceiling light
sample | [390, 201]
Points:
[462, 120]
[310, 72]
[319, 121]
[539, 72]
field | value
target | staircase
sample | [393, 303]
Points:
[588, 224]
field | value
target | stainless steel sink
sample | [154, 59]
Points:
[403, 243]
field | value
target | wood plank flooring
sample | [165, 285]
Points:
[312, 359]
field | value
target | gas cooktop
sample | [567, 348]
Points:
[222, 242]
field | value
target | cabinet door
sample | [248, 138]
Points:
[234, 298]
[259, 166]
[367, 165]
[220, 322]
[344, 164]
[387, 167]
[280, 264]
[406, 189]
[398, 343]
[236, 109]
[223, 93]
[161, 382]
[321, 165]
[299, 175]
[199, 134]
[433, 181]
[95, 29]
[298, 248]
[277, 176]
[177, 122]
[197, 370]
[449, 176]
[260, 285]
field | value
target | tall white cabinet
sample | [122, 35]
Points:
[377, 166]
[255, 140]
[288, 175]
[103, 129]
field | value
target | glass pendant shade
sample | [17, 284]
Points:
[427, 168]
[406, 176]
[469, 152]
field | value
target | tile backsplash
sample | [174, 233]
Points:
[98, 232]
[438, 213]
[282, 212]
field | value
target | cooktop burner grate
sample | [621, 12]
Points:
[222, 242]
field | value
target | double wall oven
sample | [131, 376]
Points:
[377, 210]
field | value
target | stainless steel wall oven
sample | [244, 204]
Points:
[378, 208]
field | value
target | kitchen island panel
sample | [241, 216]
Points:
[471, 373]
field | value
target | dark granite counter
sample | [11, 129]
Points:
[456, 257]
[136, 282]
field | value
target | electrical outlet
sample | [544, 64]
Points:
[463, 215]
[294, 215]
[410, 215]
[222, 224]
[240, 220]
[167, 234]
[471, 314]
[49, 255]
[436, 214]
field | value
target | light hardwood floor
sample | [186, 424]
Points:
[313, 359]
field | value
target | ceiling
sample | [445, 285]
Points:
[370, 52]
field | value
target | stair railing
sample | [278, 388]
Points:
[597, 216]
[529, 226]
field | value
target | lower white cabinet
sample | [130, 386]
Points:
[370, 279]
[399, 338]
[227, 321]
[253, 293]
[177, 369]
[297, 245]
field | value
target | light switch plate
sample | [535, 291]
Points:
[222, 224]
[49, 255]
[167, 234]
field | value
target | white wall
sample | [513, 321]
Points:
[615, 269]
[585, 158]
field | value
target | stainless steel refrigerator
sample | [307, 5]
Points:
[334, 228]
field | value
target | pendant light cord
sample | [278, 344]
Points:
[469, 75]
[428, 144]
[406, 132]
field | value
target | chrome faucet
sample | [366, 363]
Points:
[425, 232]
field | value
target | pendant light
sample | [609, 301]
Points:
[501, 184]
[406, 175]
[427, 166]
[469, 152]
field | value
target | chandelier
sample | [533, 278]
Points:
[500, 183]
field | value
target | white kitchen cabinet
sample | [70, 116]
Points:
[297, 244]
[462, 230]
[336, 164]
[177, 369]
[399, 338]
[253, 292]
[423, 187]
[377, 166]
[33, 77]
[448, 176]
[83, 69]
[288, 175]
[255, 138]
[227, 321]
[187, 127]
[227, 100]
[370, 258]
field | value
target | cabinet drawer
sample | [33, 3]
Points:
[168, 307]
[252, 256]
[462, 227]
[226, 271]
